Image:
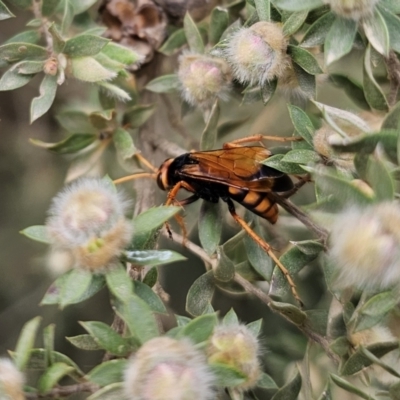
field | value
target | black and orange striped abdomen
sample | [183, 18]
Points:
[257, 202]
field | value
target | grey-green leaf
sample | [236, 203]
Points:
[164, 84]
[295, 5]
[304, 59]
[290, 391]
[40, 105]
[210, 226]
[37, 233]
[71, 144]
[377, 32]
[193, 35]
[108, 372]
[200, 294]
[52, 375]
[317, 32]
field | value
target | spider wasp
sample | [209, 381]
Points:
[233, 173]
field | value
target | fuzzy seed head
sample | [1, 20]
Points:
[365, 246]
[237, 347]
[257, 54]
[87, 220]
[11, 381]
[168, 369]
[203, 78]
[352, 9]
[376, 334]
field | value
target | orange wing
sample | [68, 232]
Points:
[238, 167]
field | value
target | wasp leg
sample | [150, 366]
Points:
[259, 138]
[145, 162]
[171, 200]
[265, 246]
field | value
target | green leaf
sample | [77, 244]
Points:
[84, 342]
[58, 39]
[137, 115]
[335, 49]
[306, 81]
[266, 382]
[226, 376]
[255, 326]
[68, 16]
[176, 40]
[373, 93]
[340, 189]
[151, 277]
[41, 104]
[304, 59]
[230, 318]
[71, 144]
[49, 7]
[200, 294]
[394, 391]
[28, 67]
[317, 32]
[146, 223]
[392, 119]
[294, 22]
[302, 123]
[193, 35]
[360, 359]
[82, 5]
[12, 79]
[52, 375]
[352, 88]
[218, 24]
[114, 91]
[294, 260]
[374, 310]
[290, 311]
[108, 372]
[267, 90]
[121, 53]
[75, 121]
[224, 270]
[115, 391]
[367, 143]
[377, 32]
[392, 23]
[107, 338]
[152, 257]
[60, 290]
[198, 330]
[295, 5]
[84, 45]
[75, 286]
[14, 52]
[263, 8]
[209, 134]
[26, 342]
[301, 156]
[148, 295]
[5, 13]
[309, 247]
[124, 144]
[31, 36]
[37, 233]
[119, 283]
[379, 178]
[48, 341]
[290, 391]
[164, 84]
[276, 162]
[210, 226]
[139, 318]
[90, 70]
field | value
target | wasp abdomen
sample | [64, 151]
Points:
[257, 202]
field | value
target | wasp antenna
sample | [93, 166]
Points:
[145, 162]
[134, 176]
[266, 247]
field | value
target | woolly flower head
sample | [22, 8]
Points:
[257, 54]
[87, 220]
[203, 78]
[352, 9]
[236, 346]
[168, 369]
[365, 246]
[11, 381]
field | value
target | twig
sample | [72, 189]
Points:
[64, 391]
[393, 67]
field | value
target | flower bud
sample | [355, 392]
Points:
[165, 368]
[87, 220]
[50, 67]
[365, 246]
[11, 381]
[352, 9]
[203, 78]
[237, 347]
[257, 54]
